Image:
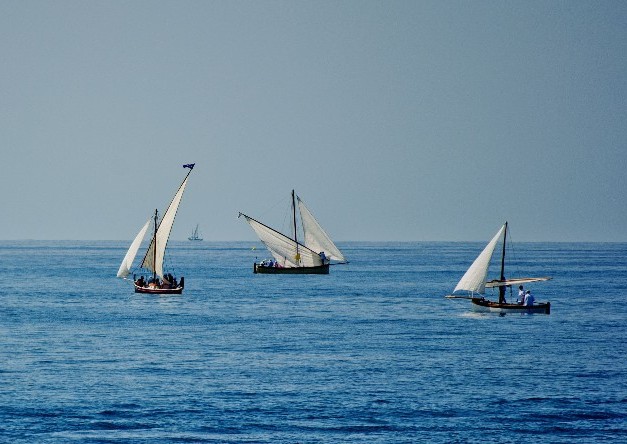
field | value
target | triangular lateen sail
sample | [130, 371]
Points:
[152, 261]
[474, 280]
[315, 237]
[284, 249]
[127, 262]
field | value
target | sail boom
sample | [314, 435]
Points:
[248, 218]
[514, 281]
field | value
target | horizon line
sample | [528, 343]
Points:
[339, 241]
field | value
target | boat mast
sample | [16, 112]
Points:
[294, 218]
[154, 250]
[502, 278]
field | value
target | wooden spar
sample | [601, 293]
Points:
[154, 250]
[502, 289]
[294, 216]
[275, 231]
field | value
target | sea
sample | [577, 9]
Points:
[371, 353]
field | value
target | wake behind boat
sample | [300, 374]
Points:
[291, 256]
[152, 264]
[475, 283]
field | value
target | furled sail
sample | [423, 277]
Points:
[286, 251]
[514, 281]
[315, 237]
[152, 261]
[127, 262]
[475, 278]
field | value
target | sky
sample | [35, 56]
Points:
[392, 120]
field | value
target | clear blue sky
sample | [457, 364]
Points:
[393, 120]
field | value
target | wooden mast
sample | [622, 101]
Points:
[154, 251]
[502, 278]
[294, 218]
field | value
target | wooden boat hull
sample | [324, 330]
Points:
[320, 269]
[153, 290]
[484, 304]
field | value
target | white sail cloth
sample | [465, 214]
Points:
[286, 251]
[315, 237]
[154, 261]
[127, 262]
[475, 278]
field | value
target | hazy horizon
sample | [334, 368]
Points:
[338, 241]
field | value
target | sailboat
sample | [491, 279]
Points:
[159, 282]
[475, 282]
[312, 256]
[195, 236]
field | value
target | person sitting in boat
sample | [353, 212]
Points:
[521, 295]
[141, 282]
[529, 299]
[171, 281]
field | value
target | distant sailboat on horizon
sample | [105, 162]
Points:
[195, 235]
[291, 256]
[159, 282]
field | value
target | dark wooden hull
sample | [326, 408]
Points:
[540, 307]
[152, 290]
[321, 269]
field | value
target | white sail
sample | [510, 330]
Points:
[285, 250]
[315, 237]
[154, 261]
[475, 278]
[127, 262]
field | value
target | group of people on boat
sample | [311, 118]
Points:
[525, 297]
[168, 281]
[271, 263]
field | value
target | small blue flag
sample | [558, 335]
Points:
[189, 165]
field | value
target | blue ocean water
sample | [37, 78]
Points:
[370, 353]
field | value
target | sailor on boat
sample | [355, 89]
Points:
[521, 295]
[529, 299]
[141, 282]
[324, 258]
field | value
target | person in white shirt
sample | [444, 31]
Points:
[521, 295]
[529, 299]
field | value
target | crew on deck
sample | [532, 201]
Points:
[529, 299]
[168, 281]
